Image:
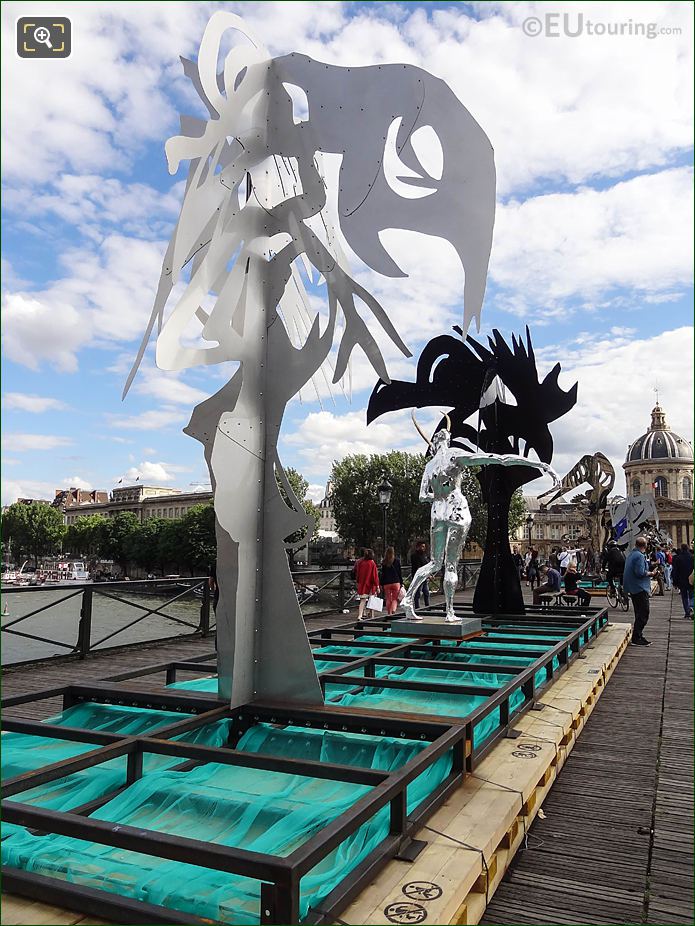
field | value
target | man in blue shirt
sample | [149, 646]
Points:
[551, 583]
[637, 583]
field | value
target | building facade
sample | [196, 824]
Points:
[75, 498]
[550, 526]
[325, 506]
[143, 501]
[658, 461]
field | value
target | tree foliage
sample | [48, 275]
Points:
[34, 529]
[154, 544]
[359, 517]
[83, 536]
[299, 487]
[198, 537]
[115, 536]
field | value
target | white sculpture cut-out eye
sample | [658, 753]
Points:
[300, 102]
[411, 184]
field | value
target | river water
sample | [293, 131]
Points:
[60, 622]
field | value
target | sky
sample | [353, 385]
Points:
[592, 246]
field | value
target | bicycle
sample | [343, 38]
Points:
[617, 596]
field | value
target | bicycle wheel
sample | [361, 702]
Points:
[624, 601]
[612, 596]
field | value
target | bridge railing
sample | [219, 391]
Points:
[87, 623]
[85, 631]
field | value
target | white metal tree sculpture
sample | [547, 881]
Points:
[255, 212]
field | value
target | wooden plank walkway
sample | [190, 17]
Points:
[616, 844]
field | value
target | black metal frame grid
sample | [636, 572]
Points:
[280, 877]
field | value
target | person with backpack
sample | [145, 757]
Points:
[682, 577]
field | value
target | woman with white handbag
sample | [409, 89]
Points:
[367, 585]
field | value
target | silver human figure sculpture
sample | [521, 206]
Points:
[450, 514]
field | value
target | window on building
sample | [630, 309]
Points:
[554, 531]
[636, 487]
[661, 487]
[574, 532]
[687, 487]
[539, 531]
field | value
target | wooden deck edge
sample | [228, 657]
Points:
[472, 839]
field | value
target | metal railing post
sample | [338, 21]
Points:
[205, 611]
[341, 591]
[84, 631]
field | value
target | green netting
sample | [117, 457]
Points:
[197, 684]
[270, 812]
[546, 640]
[23, 752]
[445, 676]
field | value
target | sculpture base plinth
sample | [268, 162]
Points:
[437, 627]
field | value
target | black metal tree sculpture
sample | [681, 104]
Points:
[470, 378]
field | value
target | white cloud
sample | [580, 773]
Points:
[13, 489]
[109, 99]
[636, 234]
[569, 109]
[147, 472]
[324, 437]
[90, 203]
[34, 404]
[615, 395]
[106, 296]
[150, 420]
[37, 330]
[316, 493]
[76, 482]
[19, 442]
[616, 374]
[168, 387]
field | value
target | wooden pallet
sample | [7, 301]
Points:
[19, 910]
[473, 837]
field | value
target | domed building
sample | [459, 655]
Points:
[661, 461]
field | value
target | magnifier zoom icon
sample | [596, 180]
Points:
[43, 36]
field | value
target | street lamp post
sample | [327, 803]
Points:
[384, 490]
[529, 525]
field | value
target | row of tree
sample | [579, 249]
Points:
[156, 544]
[188, 543]
[359, 517]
